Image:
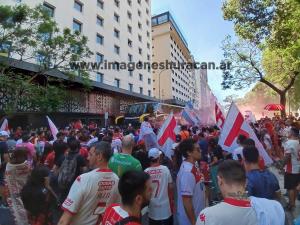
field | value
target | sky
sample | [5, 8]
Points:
[203, 26]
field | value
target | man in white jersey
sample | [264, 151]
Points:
[237, 208]
[190, 184]
[160, 212]
[92, 192]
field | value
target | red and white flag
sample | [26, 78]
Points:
[4, 126]
[235, 125]
[220, 118]
[53, 128]
[167, 135]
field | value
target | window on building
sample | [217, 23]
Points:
[117, 49]
[129, 2]
[141, 90]
[117, 83]
[129, 57]
[99, 58]
[147, 11]
[100, 4]
[130, 73]
[130, 87]
[140, 25]
[129, 28]
[116, 33]
[116, 17]
[100, 21]
[149, 93]
[99, 39]
[99, 77]
[148, 57]
[129, 43]
[77, 26]
[149, 80]
[78, 6]
[49, 9]
[148, 34]
[140, 51]
[141, 77]
[117, 3]
[139, 1]
[148, 45]
[129, 15]
[140, 38]
[147, 22]
[139, 13]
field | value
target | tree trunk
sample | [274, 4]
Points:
[283, 102]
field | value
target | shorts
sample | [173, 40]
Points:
[291, 181]
[168, 221]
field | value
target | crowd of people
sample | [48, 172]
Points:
[87, 175]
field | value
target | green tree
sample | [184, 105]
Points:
[268, 31]
[31, 34]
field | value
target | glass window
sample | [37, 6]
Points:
[100, 21]
[99, 39]
[140, 38]
[140, 51]
[139, 13]
[99, 58]
[130, 87]
[149, 81]
[140, 25]
[78, 6]
[116, 17]
[129, 43]
[117, 3]
[99, 77]
[117, 49]
[129, 15]
[77, 26]
[129, 57]
[117, 83]
[100, 4]
[141, 77]
[130, 73]
[49, 9]
[141, 90]
[149, 93]
[129, 28]
[116, 33]
[129, 2]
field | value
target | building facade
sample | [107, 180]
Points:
[170, 46]
[119, 31]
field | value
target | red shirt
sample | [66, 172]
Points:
[114, 214]
[49, 161]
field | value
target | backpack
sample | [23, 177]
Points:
[67, 172]
[127, 220]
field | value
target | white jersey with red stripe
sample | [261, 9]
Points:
[190, 183]
[159, 207]
[90, 194]
[231, 211]
[114, 214]
[293, 165]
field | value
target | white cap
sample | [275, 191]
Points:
[154, 153]
[4, 133]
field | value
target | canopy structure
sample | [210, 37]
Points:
[274, 107]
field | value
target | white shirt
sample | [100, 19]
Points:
[231, 211]
[236, 152]
[90, 194]
[292, 147]
[189, 183]
[159, 207]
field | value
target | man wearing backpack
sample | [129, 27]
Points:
[92, 192]
[70, 167]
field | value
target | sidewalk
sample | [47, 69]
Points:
[291, 215]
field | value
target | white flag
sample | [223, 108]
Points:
[53, 128]
[235, 125]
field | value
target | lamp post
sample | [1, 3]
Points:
[159, 83]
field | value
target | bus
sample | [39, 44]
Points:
[156, 112]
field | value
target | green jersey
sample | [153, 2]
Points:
[119, 163]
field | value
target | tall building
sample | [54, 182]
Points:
[170, 45]
[117, 30]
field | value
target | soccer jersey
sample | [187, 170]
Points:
[89, 196]
[159, 207]
[190, 183]
[292, 147]
[231, 211]
[120, 163]
[114, 214]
